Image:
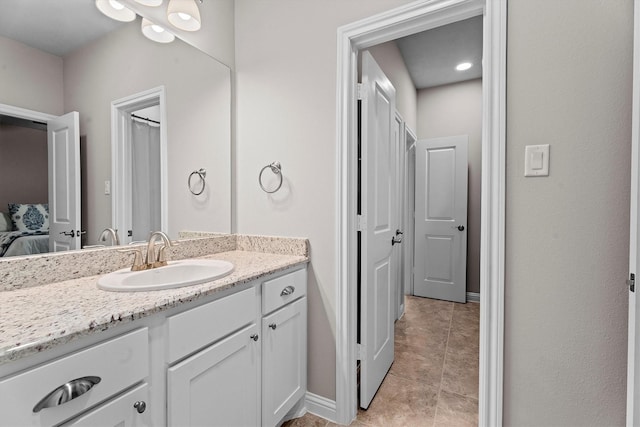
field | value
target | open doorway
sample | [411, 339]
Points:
[139, 166]
[439, 103]
[400, 22]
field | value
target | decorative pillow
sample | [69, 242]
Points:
[29, 217]
[5, 222]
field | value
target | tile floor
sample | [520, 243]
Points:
[434, 379]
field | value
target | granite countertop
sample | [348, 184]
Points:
[35, 319]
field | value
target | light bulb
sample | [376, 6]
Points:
[464, 66]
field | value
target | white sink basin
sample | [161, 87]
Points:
[174, 275]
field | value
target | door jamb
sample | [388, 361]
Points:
[405, 20]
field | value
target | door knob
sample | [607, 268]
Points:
[71, 233]
[396, 239]
[461, 228]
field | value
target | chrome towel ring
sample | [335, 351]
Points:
[202, 174]
[277, 170]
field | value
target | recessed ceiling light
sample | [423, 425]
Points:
[464, 66]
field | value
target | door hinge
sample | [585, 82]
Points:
[361, 222]
[359, 352]
[359, 92]
[632, 282]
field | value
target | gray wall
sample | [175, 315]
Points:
[456, 109]
[569, 71]
[286, 111]
[23, 166]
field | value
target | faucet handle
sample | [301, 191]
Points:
[162, 256]
[137, 259]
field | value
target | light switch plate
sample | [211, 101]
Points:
[536, 160]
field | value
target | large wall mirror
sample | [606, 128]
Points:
[91, 79]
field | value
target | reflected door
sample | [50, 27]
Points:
[63, 145]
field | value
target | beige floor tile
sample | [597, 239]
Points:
[456, 410]
[401, 402]
[308, 420]
[460, 373]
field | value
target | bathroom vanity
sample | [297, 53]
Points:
[228, 352]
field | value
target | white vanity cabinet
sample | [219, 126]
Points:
[57, 391]
[284, 345]
[237, 360]
[219, 384]
[128, 410]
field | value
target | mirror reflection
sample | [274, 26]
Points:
[169, 105]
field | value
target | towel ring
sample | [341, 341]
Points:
[202, 174]
[276, 169]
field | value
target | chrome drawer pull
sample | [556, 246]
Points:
[287, 291]
[67, 392]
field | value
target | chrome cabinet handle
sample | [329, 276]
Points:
[67, 392]
[273, 326]
[254, 337]
[287, 291]
[140, 406]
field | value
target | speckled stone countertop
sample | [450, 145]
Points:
[37, 318]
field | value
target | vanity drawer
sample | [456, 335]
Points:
[201, 326]
[284, 289]
[117, 363]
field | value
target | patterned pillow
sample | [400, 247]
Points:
[5, 222]
[29, 217]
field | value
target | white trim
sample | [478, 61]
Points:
[473, 296]
[120, 110]
[633, 350]
[321, 406]
[23, 113]
[409, 19]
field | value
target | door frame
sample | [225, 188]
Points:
[403, 21]
[120, 142]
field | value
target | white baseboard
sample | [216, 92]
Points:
[473, 297]
[322, 407]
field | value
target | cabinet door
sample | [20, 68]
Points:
[120, 412]
[219, 385]
[284, 360]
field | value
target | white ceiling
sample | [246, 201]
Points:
[431, 56]
[54, 26]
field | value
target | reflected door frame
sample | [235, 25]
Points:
[121, 158]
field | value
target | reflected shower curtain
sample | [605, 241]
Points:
[145, 176]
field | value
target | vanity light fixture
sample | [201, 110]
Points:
[152, 3]
[156, 32]
[115, 10]
[184, 14]
[464, 66]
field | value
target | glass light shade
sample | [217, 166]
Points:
[152, 3]
[184, 14]
[156, 32]
[115, 10]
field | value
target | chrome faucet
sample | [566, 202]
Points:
[110, 232]
[152, 261]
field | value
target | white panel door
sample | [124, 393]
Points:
[441, 218]
[63, 142]
[378, 226]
